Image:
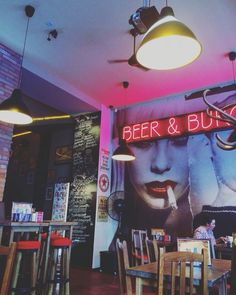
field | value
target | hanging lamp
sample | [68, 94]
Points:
[123, 152]
[13, 110]
[168, 44]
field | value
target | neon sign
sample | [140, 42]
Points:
[175, 126]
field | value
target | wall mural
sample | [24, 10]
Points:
[179, 170]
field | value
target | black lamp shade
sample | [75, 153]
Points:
[168, 44]
[14, 111]
[123, 153]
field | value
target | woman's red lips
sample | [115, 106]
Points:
[159, 189]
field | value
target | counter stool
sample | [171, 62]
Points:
[26, 251]
[42, 255]
[59, 265]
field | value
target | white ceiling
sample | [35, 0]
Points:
[92, 32]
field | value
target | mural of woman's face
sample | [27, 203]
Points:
[224, 161]
[159, 165]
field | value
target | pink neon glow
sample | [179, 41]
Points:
[175, 126]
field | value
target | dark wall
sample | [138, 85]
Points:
[33, 168]
[9, 71]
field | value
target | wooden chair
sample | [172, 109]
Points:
[9, 253]
[233, 272]
[212, 249]
[152, 250]
[182, 267]
[139, 252]
[123, 264]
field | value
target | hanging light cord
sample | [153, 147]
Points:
[146, 3]
[23, 53]
[233, 69]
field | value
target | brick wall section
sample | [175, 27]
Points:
[10, 63]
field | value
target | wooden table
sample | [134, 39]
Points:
[20, 228]
[217, 274]
[26, 227]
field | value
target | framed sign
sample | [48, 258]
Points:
[49, 193]
[60, 201]
[102, 215]
[21, 211]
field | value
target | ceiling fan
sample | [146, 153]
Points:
[132, 61]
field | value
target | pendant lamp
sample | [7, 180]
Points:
[123, 152]
[13, 110]
[168, 44]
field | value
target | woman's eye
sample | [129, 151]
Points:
[142, 144]
[181, 141]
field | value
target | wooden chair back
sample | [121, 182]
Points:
[233, 272]
[182, 271]
[139, 252]
[123, 264]
[212, 249]
[152, 250]
[2, 211]
[9, 254]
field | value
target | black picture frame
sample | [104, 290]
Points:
[49, 193]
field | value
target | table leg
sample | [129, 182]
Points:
[71, 232]
[11, 236]
[223, 287]
[1, 230]
[45, 267]
[139, 286]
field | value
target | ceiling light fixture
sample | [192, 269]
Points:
[168, 44]
[61, 117]
[52, 34]
[13, 110]
[21, 134]
[123, 152]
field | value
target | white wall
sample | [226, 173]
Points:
[104, 230]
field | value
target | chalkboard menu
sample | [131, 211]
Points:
[82, 197]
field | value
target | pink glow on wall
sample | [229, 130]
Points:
[105, 131]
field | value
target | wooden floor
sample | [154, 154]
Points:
[92, 282]
[89, 282]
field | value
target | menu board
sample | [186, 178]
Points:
[82, 197]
